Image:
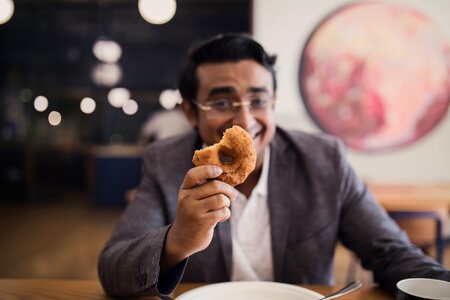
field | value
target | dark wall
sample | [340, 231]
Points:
[50, 41]
[46, 49]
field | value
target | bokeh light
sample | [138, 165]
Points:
[130, 107]
[6, 11]
[107, 51]
[157, 11]
[54, 118]
[25, 95]
[40, 103]
[118, 96]
[87, 105]
[169, 98]
[106, 74]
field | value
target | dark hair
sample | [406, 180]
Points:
[229, 47]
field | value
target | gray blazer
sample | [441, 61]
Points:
[314, 198]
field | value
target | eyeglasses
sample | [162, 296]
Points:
[228, 106]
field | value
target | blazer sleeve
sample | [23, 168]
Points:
[129, 263]
[367, 230]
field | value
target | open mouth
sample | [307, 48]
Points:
[255, 134]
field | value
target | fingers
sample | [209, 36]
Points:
[202, 203]
[212, 188]
[219, 215]
[214, 203]
[199, 175]
[210, 196]
[215, 208]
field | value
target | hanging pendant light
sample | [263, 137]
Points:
[157, 11]
[6, 10]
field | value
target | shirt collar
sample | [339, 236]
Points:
[262, 185]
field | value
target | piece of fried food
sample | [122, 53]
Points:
[235, 154]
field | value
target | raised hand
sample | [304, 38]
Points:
[203, 201]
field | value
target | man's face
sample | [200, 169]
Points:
[237, 82]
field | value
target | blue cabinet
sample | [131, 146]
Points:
[117, 170]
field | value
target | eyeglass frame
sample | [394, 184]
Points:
[234, 105]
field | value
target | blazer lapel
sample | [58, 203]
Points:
[224, 231]
[280, 187]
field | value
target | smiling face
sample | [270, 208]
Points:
[237, 81]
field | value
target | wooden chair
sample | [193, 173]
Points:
[421, 209]
[425, 229]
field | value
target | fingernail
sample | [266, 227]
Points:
[217, 170]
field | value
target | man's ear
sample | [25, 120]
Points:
[190, 112]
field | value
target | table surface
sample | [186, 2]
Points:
[420, 196]
[91, 289]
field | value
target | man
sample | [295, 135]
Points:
[286, 217]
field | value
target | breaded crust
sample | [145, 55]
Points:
[237, 152]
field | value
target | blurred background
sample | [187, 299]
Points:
[54, 54]
[86, 84]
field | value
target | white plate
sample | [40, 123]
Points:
[250, 290]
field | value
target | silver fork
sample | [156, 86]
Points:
[353, 286]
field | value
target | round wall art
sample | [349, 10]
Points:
[377, 75]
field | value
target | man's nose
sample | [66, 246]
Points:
[243, 117]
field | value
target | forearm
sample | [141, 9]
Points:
[403, 260]
[132, 267]
[172, 253]
[380, 244]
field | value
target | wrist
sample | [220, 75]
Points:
[173, 252]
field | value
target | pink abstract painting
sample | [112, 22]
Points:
[376, 75]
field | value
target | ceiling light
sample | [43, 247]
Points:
[157, 11]
[130, 107]
[6, 10]
[40, 103]
[118, 96]
[169, 98]
[107, 51]
[54, 118]
[107, 74]
[87, 105]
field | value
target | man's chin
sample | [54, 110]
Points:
[257, 143]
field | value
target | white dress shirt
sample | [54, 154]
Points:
[250, 232]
